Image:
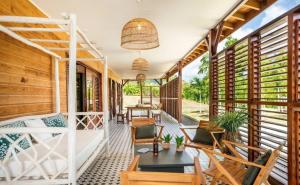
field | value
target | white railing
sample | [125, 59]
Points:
[43, 161]
[88, 120]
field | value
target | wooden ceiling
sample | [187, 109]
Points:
[240, 15]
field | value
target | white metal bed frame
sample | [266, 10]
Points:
[69, 26]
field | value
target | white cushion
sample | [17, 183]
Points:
[87, 142]
[38, 123]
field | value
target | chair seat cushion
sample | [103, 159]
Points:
[253, 171]
[203, 136]
[145, 131]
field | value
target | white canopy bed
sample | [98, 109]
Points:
[53, 154]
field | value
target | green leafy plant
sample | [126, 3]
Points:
[231, 122]
[167, 138]
[179, 141]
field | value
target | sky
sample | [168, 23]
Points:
[274, 11]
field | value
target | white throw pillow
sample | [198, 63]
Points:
[38, 123]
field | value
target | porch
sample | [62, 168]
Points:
[49, 67]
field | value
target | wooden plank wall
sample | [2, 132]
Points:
[34, 96]
[27, 84]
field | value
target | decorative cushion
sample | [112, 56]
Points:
[203, 136]
[145, 131]
[253, 171]
[38, 123]
[5, 143]
[55, 121]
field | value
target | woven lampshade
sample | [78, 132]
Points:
[140, 77]
[140, 64]
[139, 34]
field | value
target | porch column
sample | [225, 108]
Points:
[212, 42]
[105, 108]
[166, 97]
[141, 90]
[293, 97]
[179, 100]
[72, 101]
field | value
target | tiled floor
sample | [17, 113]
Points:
[106, 170]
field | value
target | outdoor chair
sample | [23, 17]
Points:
[143, 130]
[121, 116]
[132, 176]
[204, 137]
[156, 112]
[236, 170]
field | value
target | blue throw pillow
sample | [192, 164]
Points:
[4, 142]
[55, 121]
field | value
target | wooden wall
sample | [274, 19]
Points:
[27, 80]
[27, 83]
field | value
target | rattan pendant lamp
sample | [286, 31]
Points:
[140, 64]
[140, 77]
[139, 34]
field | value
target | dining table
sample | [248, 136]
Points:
[131, 109]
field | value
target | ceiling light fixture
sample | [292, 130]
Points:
[140, 64]
[139, 34]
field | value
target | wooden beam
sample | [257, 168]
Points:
[238, 16]
[228, 25]
[124, 82]
[252, 4]
[158, 82]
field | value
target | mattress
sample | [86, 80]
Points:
[86, 143]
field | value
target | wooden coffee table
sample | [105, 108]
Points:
[166, 161]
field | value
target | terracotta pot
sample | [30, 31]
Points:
[165, 145]
[180, 148]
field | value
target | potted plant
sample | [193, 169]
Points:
[166, 141]
[231, 122]
[179, 143]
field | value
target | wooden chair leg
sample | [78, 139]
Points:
[216, 179]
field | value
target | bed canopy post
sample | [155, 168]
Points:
[57, 89]
[106, 131]
[72, 100]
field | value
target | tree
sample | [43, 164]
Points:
[204, 64]
[230, 41]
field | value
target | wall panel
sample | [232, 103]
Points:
[27, 83]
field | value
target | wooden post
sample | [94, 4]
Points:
[166, 94]
[212, 41]
[141, 90]
[293, 122]
[253, 92]
[151, 95]
[179, 100]
[72, 102]
[229, 79]
[121, 96]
